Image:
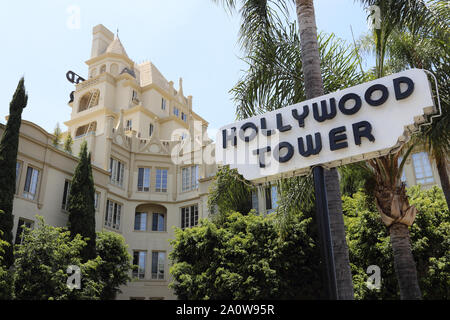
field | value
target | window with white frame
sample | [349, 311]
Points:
[140, 221]
[139, 258]
[158, 265]
[129, 125]
[271, 199]
[97, 200]
[189, 216]
[20, 229]
[176, 111]
[150, 129]
[113, 212]
[135, 97]
[189, 178]
[255, 204]
[422, 168]
[161, 180]
[163, 104]
[66, 193]
[158, 222]
[31, 183]
[144, 179]
[116, 168]
[184, 117]
[18, 169]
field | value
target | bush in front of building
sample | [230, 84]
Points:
[5, 275]
[114, 269]
[244, 257]
[42, 260]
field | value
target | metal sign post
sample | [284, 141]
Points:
[323, 224]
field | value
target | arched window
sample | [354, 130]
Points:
[114, 69]
[93, 72]
[103, 68]
[89, 100]
[83, 130]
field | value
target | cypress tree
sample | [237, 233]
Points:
[8, 159]
[81, 204]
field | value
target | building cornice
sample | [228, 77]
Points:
[109, 55]
[90, 115]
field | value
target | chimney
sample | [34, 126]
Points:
[101, 38]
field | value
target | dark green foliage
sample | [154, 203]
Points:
[229, 192]
[8, 158]
[369, 244]
[81, 205]
[5, 275]
[116, 263]
[43, 258]
[41, 266]
[244, 257]
[356, 176]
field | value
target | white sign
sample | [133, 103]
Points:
[354, 124]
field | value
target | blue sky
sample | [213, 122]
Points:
[192, 39]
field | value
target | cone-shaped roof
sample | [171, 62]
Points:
[116, 47]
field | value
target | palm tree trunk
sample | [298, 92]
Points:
[441, 164]
[314, 88]
[405, 267]
[340, 248]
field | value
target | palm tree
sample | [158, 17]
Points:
[428, 50]
[277, 80]
[397, 18]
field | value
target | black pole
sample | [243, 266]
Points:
[323, 222]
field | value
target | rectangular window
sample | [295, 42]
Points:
[97, 200]
[143, 179]
[129, 125]
[183, 117]
[66, 193]
[113, 212]
[271, 199]
[18, 167]
[422, 168]
[161, 180]
[176, 111]
[163, 104]
[116, 168]
[189, 178]
[140, 221]
[158, 222]
[158, 265]
[150, 130]
[31, 182]
[139, 258]
[20, 232]
[255, 204]
[135, 97]
[189, 216]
